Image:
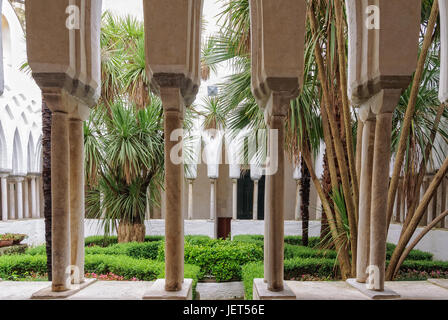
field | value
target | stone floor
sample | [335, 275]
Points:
[311, 290]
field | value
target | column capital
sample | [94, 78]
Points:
[16, 178]
[58, 100]
[365, 112]
[5, 174]
[33, 175]
[277, 105]
[385, 101]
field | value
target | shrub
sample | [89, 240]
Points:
[319, 267]
[413, 255]
[145, 250]
[293, 268]
[221, 259]
[107, 241]
[250, 272]
[424, 265]
[199, 240]
[292, 240]
[16, 249]
[294, 251]
[39, 250]
[19, 266]
[313, 242]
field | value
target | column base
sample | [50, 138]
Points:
[158, 292]
[47, 293]
[443, 283]
[261, 292]
[372, 294]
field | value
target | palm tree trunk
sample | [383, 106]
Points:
[305, 202]
[325, 232]
[131, 232]
[46, 180]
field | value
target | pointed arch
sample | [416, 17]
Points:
[17, 155]
[38, 155]
[31, 155]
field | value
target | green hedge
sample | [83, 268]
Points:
[413, 255]
[250, 272]
[294, 251]
[293, 268]
[128, 267]
[423, 265]
[221, 259]
[313, 242]
[107, 241]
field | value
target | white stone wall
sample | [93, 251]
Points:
[20, 104]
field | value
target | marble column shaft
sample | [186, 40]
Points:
[4, 182]
[33, 198]
[26, 203]
[367, 150]
[19, 195]
[297, 203]
[234, 199]
[12, 201]
[190, 200]
[380, 187]
[255, 201]
[76, 141]
[60, 201]
[212, 199]
[174, 233]
[275, 194]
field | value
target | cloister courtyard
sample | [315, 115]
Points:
[224, 150]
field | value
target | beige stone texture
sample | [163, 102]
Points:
[174, 178]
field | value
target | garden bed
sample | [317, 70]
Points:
[207, 260]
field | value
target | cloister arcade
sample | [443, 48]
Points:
[20, 127]
[67, 71]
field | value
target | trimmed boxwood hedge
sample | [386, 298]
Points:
[128, 267]
[292, 242]
[221, 259]
[107, 241]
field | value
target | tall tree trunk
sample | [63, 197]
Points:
[305, 184]
[325, 232]
[46, 180]
[131, 232]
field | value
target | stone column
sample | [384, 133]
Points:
[19, 190]
[12, 201]
[60, 200]
[267, 183]
[174, 233]
[297, 203]
[4, 186]
[255, 201]
[388, 100]
[39, 195]
[234, 199]
[33, 198]
[190, 199]
[367, 150]
[275, 195]
[213, 199]
[76, 142]
[26, 202]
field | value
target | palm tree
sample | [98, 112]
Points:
[305, 185]
[322, 111]
[124, 166]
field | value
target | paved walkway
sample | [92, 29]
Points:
[311, 290]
